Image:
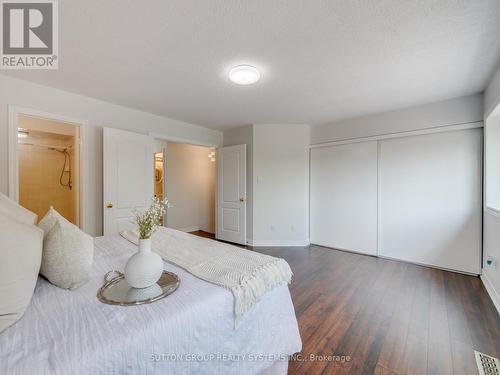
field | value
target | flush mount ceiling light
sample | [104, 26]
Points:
[244, 74]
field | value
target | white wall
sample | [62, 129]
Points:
[240, 136]
[280, 185]
[277, 182]
[491, 219]
[98, 114]
[491, 247]
[492, 162]
[190, 188]
[492, 95]
[449, 112]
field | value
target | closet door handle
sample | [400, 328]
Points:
[109, 205]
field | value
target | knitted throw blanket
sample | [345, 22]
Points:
[247, 274]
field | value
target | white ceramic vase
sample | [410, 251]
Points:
[145, 267]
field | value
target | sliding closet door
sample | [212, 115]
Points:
[430, 199]
[343, 197]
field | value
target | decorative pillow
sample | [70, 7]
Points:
[48, 221]
[20, 254]
[67, 255]
[15, 211]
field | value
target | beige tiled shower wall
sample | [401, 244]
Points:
[39, 173]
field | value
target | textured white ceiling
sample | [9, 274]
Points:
[321, 61]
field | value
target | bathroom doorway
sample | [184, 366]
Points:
[45, 165]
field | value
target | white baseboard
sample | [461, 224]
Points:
[494, 295]
[278, 243]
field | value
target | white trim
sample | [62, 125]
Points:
[436, 129]
[428, 265]
[164, 182]
[481, 199]
[169, 138]
[13, 165]
[346, 250]
[12, 155]
[494, 295]
[83, 173]
[397, 260]
[308, 195]
[279, 243]
[379, 200]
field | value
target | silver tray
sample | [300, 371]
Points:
[116, 290]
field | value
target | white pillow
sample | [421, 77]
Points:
[67, 255]
[48, 221]
[15, 211]
[20, 254]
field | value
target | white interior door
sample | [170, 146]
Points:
[128, 166]
[231, 194]
[343, 198]
[430, 199]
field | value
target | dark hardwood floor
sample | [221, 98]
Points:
[389, 317]
[204, 234]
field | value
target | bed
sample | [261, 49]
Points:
[191, 331]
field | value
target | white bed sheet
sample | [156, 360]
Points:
[71, 332]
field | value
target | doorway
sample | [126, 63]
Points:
[159, 173]
[185, 174]
[45, 165]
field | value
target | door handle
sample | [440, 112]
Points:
[109, 205]
[242, 199]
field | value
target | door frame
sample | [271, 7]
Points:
[164, 173]
[167, 138]
[164, 182]
[13, 161]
